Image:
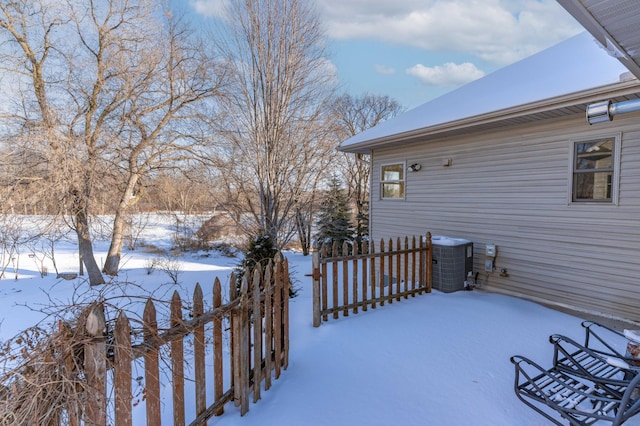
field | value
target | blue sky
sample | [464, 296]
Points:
[416, 50]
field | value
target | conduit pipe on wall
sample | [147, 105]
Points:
[600, 112]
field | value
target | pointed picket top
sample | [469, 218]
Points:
[267, 278]
[244, 287]
[198, 304]
[257, 275]
[257, 271]
[233, 289]
[95, 322]
[176, 309]
[176, 301]
[149, 310]
[217, 293]
[122, 320]
[150, 324]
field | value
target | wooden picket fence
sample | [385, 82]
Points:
[258, 330]
[360, 276]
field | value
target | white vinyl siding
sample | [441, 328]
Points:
[510, 188]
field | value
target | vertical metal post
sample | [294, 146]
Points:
[315, 262]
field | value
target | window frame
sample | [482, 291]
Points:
[402, 181]
[615, 169]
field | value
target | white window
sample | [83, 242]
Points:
[595, 167]
[392, 180]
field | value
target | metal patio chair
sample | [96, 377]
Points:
[586, 383]
[580, 400]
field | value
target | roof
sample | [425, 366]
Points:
[575, 65]
[614, 24]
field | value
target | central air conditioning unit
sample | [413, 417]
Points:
[452, 261]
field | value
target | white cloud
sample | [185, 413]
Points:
[212, 8]
[449, 74]
[381, 69]
[498, 31]
[327, 70]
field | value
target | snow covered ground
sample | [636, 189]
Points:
[437, 359]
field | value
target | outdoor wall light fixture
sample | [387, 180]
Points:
[414, 167]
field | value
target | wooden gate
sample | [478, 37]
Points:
[359, 276]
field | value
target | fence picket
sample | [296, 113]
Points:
[382, 273]
[123, 356]
[277, 316]
[334, 269]
[325, 283]
[96, 366]
[268, 327]
[198, 353]
[257, 334]
[286, 285]
[372, 269]
[244, 345]
[421, 268]
[354, 278]
[177, 362]
[390, 272]
[151, 365]
[218, 384]
[345, 279]
[413, 267]
[406, 267]
[429, 261]
[364, 249]
[235, 349]
[398, 268]
[317, 288]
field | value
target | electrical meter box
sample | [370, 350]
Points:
[452, 260]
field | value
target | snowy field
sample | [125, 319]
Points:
[437, 359]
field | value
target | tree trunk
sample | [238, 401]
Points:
[112, 263]
[86, 248]
[130, 197]
[304, 233]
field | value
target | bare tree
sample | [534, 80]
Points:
[353, 115]
[108, 91]
[165, 113]
[275, 143]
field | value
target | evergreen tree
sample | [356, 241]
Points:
[362, 222]
[259, 250]
[334, 219]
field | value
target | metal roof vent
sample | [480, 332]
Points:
[605, 111]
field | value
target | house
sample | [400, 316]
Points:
[510, 160]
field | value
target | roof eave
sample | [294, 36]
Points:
[496, 117]
[595, 26]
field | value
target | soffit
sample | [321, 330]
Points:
[615, 24]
